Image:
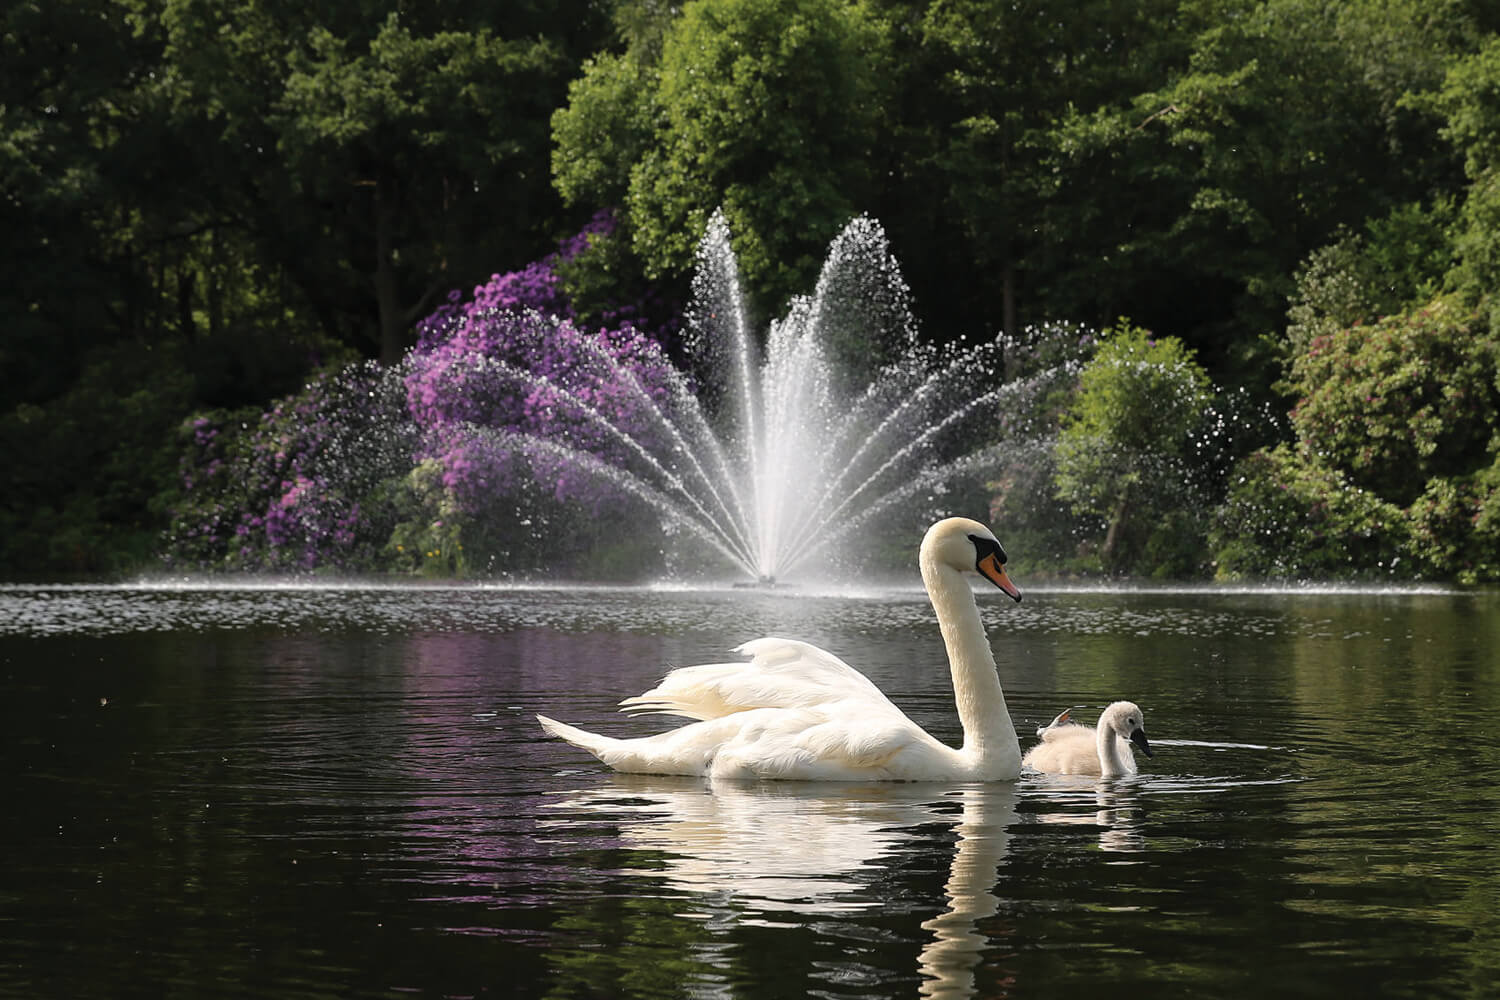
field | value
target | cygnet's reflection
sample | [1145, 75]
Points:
[1117, 810]
[815, 848]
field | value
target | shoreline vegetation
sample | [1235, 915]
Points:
[1252, 246]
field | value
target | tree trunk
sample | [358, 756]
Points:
[1112, 536]
[387, 295]
[1008, 297]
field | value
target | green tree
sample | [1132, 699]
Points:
[1174, 160]
[1469, 100]
[1394, 462]
[1288, 120]
[391, 155]
[1126, 447]
[72, 127]
[1008, 75]
[769, 109]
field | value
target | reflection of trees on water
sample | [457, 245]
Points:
[1395, 699]
[738, 859]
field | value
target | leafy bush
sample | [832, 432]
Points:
[1042, 364]
[1287, 516]
[1395, 461]
[1398, 402]
[291, 489]
[1455, 527]
[87, 467]
[1126, 451]
[1361, 277]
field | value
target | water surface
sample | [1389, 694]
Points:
[340, 791]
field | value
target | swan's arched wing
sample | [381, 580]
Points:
[782, 673]
[809, 662]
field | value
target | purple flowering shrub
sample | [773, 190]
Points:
[294, 488]
[526, 373]
[519, 414]
[500, 429]
[526, 418]
[536, 286]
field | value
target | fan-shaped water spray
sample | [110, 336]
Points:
[774, 453]
[511, 439]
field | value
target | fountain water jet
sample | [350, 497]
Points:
[775, 455]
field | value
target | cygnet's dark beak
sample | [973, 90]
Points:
[1139, 739]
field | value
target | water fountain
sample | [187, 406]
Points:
[511, 439]
[778, 454]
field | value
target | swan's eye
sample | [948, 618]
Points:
[987, 547]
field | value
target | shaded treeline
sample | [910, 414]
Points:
[204, 201]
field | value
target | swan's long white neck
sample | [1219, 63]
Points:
[1110, 763]
[989, 737]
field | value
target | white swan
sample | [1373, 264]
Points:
[796, 711]
[1070, 748]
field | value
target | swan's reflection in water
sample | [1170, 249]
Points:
[948, 961]
[745, 852]
[1117, 809]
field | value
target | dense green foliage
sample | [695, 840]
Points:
[769, 109]
[215, 197]
[1125, 452]
[1400, 401]
[205, 202]
[86, 473]
[1396, 463]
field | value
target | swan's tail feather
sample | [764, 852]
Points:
[584, 740]
[692, 693]
[645, 755]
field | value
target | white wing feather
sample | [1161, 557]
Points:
[781, 673]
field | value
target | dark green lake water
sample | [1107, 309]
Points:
[340, 792]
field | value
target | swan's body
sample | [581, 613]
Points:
[797, 711]
[1070, 748]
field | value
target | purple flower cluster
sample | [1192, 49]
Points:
[536, 286]
[497, 383]
[495, 379]
[287, 489]
[369, 469]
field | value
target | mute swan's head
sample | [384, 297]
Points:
[1129, 722]
[969, 547]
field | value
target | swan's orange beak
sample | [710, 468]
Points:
[994, 571]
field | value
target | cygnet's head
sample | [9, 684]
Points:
[1126, 719]
[969, 547]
